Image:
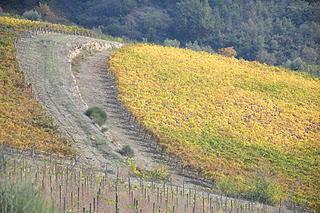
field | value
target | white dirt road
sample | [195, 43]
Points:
[45, 59]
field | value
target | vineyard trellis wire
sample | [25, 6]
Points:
[79, 188]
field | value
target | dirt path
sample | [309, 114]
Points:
[97, 87]
[46, 62]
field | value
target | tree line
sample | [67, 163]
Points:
[285, 32]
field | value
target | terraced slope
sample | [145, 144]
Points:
[255, 129]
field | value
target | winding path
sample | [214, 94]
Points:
[45, 59]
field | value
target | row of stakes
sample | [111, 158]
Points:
[82, 189]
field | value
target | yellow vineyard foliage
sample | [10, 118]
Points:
[227, 118]
[23, 24]
[23, 122]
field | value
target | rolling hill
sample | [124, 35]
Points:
[253, 128]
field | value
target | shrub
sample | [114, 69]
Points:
[126, 151]
[228, 187]
[193, 46]
[45, 122]
[264, 191]
[196, 47]
[296, 64]
[260, 189]
[159, 173]
[97, 114]
[104, 128]
[48, 15]
[171, 43]
[32, 15]
[266, 57]
[21, 198]
[99, 142]
[228, 52]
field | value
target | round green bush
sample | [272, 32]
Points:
[127, 151]
[97, 114]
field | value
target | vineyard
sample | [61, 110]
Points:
[21, 25]
[253, 128]
[71, 187]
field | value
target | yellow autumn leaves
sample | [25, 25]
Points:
[22, 120]
[23, 24]
[226, 116]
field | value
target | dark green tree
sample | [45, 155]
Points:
[194, 19]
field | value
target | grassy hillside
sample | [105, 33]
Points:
[254, 128]
[23, 122]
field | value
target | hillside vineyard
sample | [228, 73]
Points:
[251, 127]
[230, 135]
